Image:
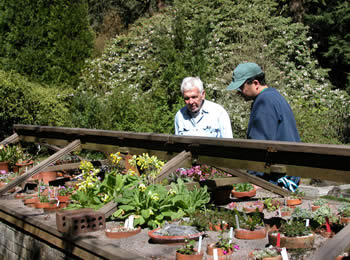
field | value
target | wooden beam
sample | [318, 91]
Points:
[41, 166]
[258, 181]
[257, 155]
[11, 139]
[176, 162]
[334, 246]
[109, 209]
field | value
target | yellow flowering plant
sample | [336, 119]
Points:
[149, 166]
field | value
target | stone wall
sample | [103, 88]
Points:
[16, 244]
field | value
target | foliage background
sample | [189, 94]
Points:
[132, 81]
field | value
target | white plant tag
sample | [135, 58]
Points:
[237, 221]
[279, 212]
[199, 244]
[231, 235]
[284, 254]
[307, 222]
[215, 253]
[126, 223]
[131, 222]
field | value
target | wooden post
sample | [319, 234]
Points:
[40, 167]
[11, 139]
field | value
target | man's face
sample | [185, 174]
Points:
[193, 99]
[248, 91]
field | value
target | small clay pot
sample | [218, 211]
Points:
[292, 242]
[249, 207]
[250, 234]
[197, 256]
[121, 234]
[221, 255]
[345, 220]
[314, 208]
[293, 202]
[243, 194]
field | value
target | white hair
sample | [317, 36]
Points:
[189, 83]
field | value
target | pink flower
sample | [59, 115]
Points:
[224, 252]
[236, 247]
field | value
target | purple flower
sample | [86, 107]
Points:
[224, 252]
[236, 247]
[3, 172]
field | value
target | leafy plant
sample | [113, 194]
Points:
[225, 243]
[344, 210]
[7, 152]
[322, 213]
[297, 194]
[250, 221]
[242, 187]
[201, 173]
[153, 205]
[295, 228]
[259, 254]
[150, 166]
[44, 198]
[63, 191]
[188, 248]
[320, 202]
[271, 204]
[302, 214]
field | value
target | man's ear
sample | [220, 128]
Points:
[203, 94]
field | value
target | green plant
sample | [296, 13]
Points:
[7, 153]
[297, 194]
[153, 205]
[242, 187]
[320, 202]
[188, 248]
[44, 198]
[271, 204]
[322, 213]
[63, 191]
[259, 254]
[344, 210]
[150, 166]
[302, 213]
[225, 243]
[250, 221]
[295, 228]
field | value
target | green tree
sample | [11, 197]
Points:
[48, 41]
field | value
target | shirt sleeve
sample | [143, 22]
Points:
[225, 125]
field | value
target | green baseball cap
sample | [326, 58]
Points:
[243, 72]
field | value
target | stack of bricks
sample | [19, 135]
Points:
[74, 222]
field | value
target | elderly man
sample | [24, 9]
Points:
[271, 117]
[200, 117]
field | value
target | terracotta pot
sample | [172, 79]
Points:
[221, 255]
[197, 256]
[286, 213]
[4, 166]
[249, 207]
[292, 242]
[46, 205]
[21, 166]
[64, 198]
[215, 227]
[314, 208]
[46, 177]
[342, 257]
[171, 239]
[31, 201]
[345, 220]
[122, 234]
[293, 202]
[279, 257]
[243, 194]
[250, 234]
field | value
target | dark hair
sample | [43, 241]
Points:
[260, 77]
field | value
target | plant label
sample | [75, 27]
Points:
[199, 244]
[284, 254]
[215, 253]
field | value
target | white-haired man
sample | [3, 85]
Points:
[201, 117]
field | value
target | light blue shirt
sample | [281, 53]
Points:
[212, 121]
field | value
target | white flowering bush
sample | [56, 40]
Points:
[138, 76]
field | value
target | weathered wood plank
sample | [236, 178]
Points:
[176, 162]
[334, 246]
[41, 166]
[258, 181]
[14, 138]
[258, 155]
